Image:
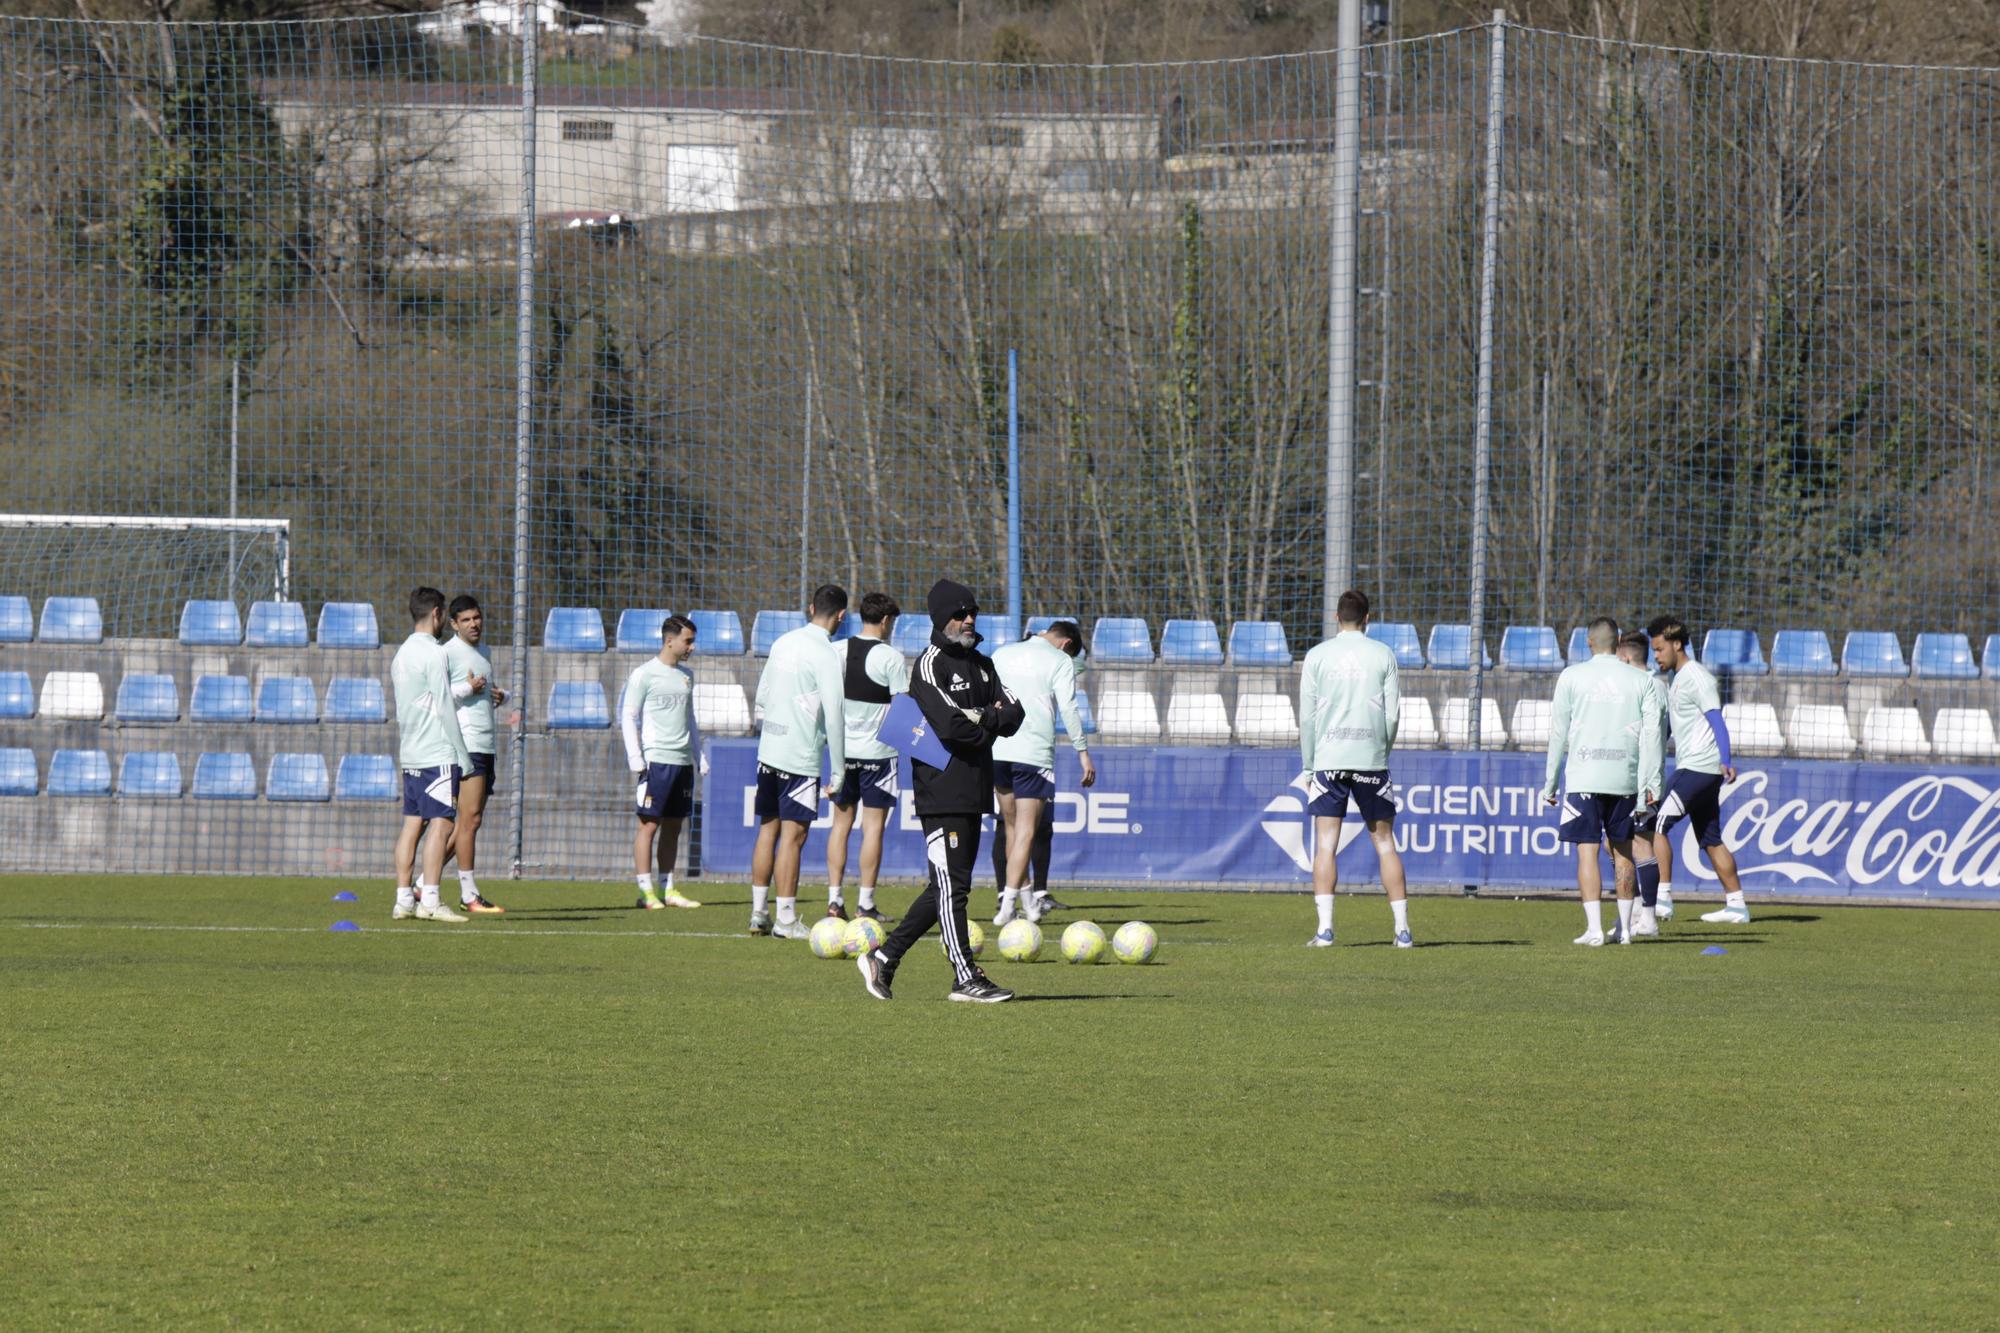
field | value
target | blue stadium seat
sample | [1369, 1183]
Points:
[847, 628]
[1801, 652]
[356, 699]
[17, 620]
[1039, 624]
[1259, 643]
[365, 777]
[1083, 715]
[72, 620]
[277, 625]
[1579, 645]
[996, 629]
[1989, 658]
[1190, 643]
[80, 773]
[1943, 657]
[148, 698]
[1119, 640]
[1530, 648]
[289, 699]
[296, 777]
[17, 772]
[1450, 648]
[1736, 652]
[912, 634]
[17, 695]
[639, 631]
[578, 705]
[348, 625]
[225, 776]
[1401, 637]
[220, 699]
[717, 633]
[768, 628]
[1872, 653]
[211, 625]
[574, 629]
[142, 773]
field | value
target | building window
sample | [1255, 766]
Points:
[586, 131]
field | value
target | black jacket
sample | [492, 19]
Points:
[949, 678]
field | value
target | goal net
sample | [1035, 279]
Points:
[142, 570]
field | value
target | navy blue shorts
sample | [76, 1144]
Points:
[666, 792]
[871, 783]
[431, 793]
[1590, 817]
[482, 767]
[787, 796]
[1024, 781]
[1695, 796]
[1330, 790]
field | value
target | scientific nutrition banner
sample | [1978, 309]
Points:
[1207, 815]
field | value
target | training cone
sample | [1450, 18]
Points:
[343, 925]
[1713, 950]
[347, 896]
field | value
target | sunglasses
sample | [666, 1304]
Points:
[965, 613]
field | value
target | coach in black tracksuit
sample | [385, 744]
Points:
[967, 707]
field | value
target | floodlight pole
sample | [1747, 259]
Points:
[524, 422]
[1482, 437]
[1337, 572]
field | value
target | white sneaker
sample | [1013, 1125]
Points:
[1617, 935]
[1594, 938]
[1644, 926]
[1728, 916]
[438, 913]
[1323, 940]
[402, 912]
[1038, 907]
[795, 929]
[1665, 911]
[1005, 914]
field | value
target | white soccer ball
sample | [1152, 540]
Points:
[827, 936]
[863, 935]
[1135, 942]
[1083, 942]
[1020, 941]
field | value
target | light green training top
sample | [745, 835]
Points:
[804, 702]
[1691, 696]
[1350, 702]
[425, 710]
[1605, 726]
[887, 668]
[1043, 677]
[657, 716]
[475, 711]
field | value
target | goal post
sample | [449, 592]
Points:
[141, 569]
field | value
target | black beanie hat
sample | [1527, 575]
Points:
[947, 599]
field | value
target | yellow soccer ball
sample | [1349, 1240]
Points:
[863, 934]
[975, 937]
[825, 940]
[1083, 942]
[1135, 942]
[1020, 941]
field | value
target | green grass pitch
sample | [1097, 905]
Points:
[216, 1112]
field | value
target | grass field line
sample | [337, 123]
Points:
[503, 932]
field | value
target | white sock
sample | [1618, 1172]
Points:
[788, 910]
[1644, 916]
[1625, 915]
[468, 890]
[1594, 917]
[1007, 900]
[1323, 903]
[1401, 907]
[405, 896]
[645, 883]
[867, 897]
[427, 893]
[759, 895]
[832, 894]
[667, 882]
[1667, 892]
[1734, 900]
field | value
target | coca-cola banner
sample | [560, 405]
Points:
[1209, 815]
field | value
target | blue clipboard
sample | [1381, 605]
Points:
[909, 731]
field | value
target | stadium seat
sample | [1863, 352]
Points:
[639, 631]
[356, 699]
[1128, 715]
[1964, 733]
[80, 773]
[577, 705]
[1401, 637]
[348, 625]
[17, 772]
[1258, 643]
[1083, 715]
[211, 625]
[912, 634]
[225, 776]
[1121, 641]
[1531, 719]
[846, 627]
[287, 699]
[995, 631]
[717, 633]
[1989, 658]
[1943, 657]
[1733, 652]
[1416, 727]
[1192, 643]
[1872, 653]
[296, 777]
[276, 625]
[143, 774]
[1037, 624]
[1266, 718]
[1753, 729]
[1579, 645]
[144, 697]
[1529, 648]
[365, 777]
[1200, 717]
[1456, 724]
[1801, 652]
[17, 695]
[720, 708]
[768, 628]
[574, 629]
[1820, 731]
[220, 699]
[1450, 648]
[72, 620]
[17, 620]
[1894, 733]
[72, 696]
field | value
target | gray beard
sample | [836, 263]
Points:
[964, 639]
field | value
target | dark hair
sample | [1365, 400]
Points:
[829, 599]
[1068, 629]
[460, 604]
[673, 625]
[1669, 628]
[877, 607]
[1603, 631]
[1636, 641]
[423, 601]
[1352, 608]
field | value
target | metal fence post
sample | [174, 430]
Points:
[1337, 569]
[524, 421]
[1014, 572]
[1482, 439]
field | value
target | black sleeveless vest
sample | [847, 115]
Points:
[860, 687]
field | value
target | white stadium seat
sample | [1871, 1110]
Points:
[72, 696]
[1965, 733]
[1202, 718]
[1127, 715]
[1457, 727]
[1266, 719]
[1894, 733]
[1753, 729]
[1820, 731]
[720, 708]
[1531, 723]
[1416, 729]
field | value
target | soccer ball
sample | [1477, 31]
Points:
[975, 938]
[863, 935]
[1135, 942]
[825, 940]
[1083, 942]
[1020, 941]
